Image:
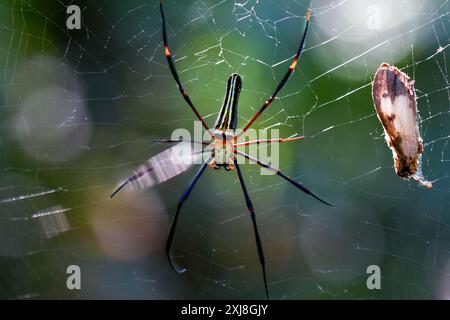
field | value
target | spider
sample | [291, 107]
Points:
[223, 146]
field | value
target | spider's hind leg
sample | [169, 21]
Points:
[183, 198]
[251, 210]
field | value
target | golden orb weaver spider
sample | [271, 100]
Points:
[224, 145]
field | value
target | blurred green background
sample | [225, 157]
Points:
[79, 110]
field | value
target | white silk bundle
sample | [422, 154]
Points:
[395, 103]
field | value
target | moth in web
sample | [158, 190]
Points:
[222, 149]
[394, 97]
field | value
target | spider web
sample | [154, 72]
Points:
[80, 108]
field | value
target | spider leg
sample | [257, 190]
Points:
[283, 80]
[174, 72]
[144, 172]
[183, 198]
[249, 203]
[131, 179]
[181, 140]
[268, 141]
[281, 174]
